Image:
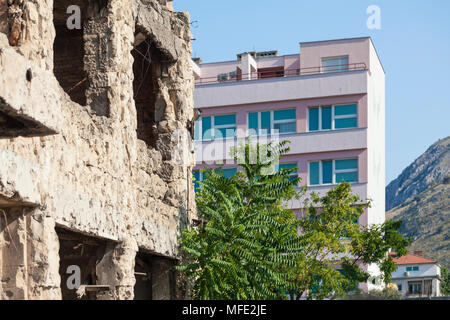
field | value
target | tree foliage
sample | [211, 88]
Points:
[336, 248]
[247, 235]
[445, 283]
[251, 246]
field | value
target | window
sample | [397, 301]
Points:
[293, 175]
[222, 77]
[69, 52]
[412, 268]
[333, 117]
[145, 91]
[399, 287]
[200, 176]
[333, 171]
[228, 173]
[414, 287]
[334, 64]
[215, 127]
[233, 75]
[272, 122]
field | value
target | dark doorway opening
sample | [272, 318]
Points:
[78, 252]
[155, 277]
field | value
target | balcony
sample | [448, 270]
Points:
[281, 73]
[360, 189]
[301, 143]
[291, 84]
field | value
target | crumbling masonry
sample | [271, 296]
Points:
[95, 148]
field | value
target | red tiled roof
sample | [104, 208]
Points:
[410, 259]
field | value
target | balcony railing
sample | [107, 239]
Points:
[237, 77]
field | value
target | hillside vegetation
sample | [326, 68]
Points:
[420, 197]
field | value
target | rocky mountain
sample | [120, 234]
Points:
[426, 218]
[420, 197]
[431, 167]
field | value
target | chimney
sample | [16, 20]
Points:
[418, 253]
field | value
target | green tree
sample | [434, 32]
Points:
[445, 283]
[250, 246]
[247, 236]
[335, 247]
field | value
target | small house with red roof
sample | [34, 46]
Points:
[416, 276]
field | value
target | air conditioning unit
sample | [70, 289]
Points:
[407, 274]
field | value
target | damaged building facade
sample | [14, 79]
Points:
[95, 148]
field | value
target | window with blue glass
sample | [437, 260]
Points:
[215, 127]
[345, 116]
[413, 268]
[293, 174]
[227, 173]
[346, 170]
[333, 117]
[272, 122]
[333, 171]
[200, 176]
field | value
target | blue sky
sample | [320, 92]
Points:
[413, 44]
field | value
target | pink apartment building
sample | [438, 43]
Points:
[328, 100]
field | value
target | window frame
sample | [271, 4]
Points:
[214, 127]
[272, 121]
[333, 117]
[334, 171]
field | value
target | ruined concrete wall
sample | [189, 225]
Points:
[29, 27]
[28, 255]
[93, 175]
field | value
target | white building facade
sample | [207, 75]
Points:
[417, 276]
